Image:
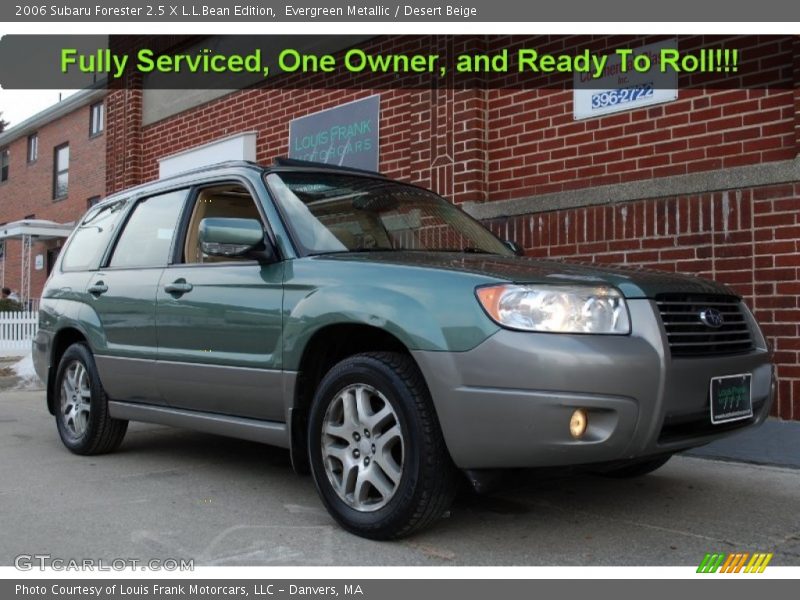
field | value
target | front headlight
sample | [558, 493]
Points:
[556, 308]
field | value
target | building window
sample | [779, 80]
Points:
[33, 147]
[92, 201]
[97, 119]
[60, 171]
[3, 165]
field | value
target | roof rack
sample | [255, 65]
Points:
[283, 161]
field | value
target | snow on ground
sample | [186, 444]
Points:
[26, 373]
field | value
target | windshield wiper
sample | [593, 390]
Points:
[465, 250]
[352, 251]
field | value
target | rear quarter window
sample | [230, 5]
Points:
[92, 236]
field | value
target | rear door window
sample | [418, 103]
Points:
[147, 237]
[92, 236]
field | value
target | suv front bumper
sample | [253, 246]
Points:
[508, 402]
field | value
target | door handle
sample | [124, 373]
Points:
[179, 287]
[97, 289]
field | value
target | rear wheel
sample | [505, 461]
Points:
[375, 447]
[636, 469]
[82, 415]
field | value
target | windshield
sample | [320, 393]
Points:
[346, 213]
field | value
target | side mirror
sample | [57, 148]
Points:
[514, 247]
[233, 237]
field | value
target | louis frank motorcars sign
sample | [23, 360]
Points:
[346, 135]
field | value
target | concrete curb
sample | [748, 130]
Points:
[775, 443]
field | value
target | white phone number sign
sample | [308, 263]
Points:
[616, 91]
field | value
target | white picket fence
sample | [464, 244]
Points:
[17, 330]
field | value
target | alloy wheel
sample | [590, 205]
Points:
[76, 398]
[362, 447]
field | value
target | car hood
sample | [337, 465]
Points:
[632, 282]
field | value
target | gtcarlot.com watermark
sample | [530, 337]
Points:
[42, 562]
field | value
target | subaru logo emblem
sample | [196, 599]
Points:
[711, 317]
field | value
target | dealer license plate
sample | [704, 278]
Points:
[730, 398]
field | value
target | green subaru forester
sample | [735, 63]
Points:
[387, 339]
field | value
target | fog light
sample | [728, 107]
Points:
[578, 423]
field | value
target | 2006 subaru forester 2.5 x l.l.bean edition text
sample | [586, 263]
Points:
[383, 336]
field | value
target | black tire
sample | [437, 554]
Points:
[636, 469]
[98, 433]
[429, 479]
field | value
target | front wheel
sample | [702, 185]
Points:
[82, 415]
[376, 450]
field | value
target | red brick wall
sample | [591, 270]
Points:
[417, 135]
[29, 189]
[492, 145]
[502, 143]
[536, 147]
[418, 141]
[124, 135]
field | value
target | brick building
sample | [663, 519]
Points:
[54, 168]
[707, 184]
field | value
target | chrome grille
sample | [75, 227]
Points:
[688, 335]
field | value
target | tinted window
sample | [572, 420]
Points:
[92, 236]
[147, 236]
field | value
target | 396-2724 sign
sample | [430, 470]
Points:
[617, 91]
[638, 93]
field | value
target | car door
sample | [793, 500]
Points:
[122, 296]
[219, 319]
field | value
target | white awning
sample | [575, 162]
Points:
[35, 228]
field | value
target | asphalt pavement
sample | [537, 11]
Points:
[178, 494]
